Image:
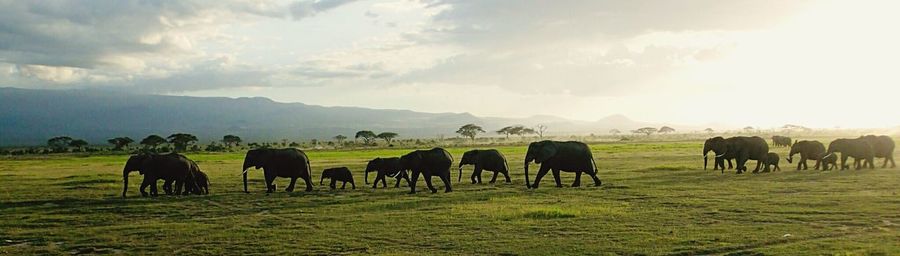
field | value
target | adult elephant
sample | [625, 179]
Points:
[433, 162]
[808, 150]
[858, 148]
[173, 166]
[484, 159]
[781, 141]
[717, 145]
[568, 156]
[743, 149]
[883, 147]
[386, 167]
[286, 163]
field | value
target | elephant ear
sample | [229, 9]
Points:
[548, 150]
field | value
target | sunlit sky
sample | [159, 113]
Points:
[763, 63]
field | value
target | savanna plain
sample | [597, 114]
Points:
[656, 199]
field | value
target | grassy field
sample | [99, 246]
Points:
[656, 199]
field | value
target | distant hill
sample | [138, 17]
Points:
[30, 117]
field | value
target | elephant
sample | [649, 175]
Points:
[742, 149]
[567, 156]
[859, 148]
[433, 162]
[772, 159]
[286, 163]
[489, 159]
[173, 166]
[883, 147]
[829, 162]
[808, 150]
[713, 144]
[338, 174]
[198, 181]
[389, 167]
[781, 141]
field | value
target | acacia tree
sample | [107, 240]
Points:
[231, 140]
[470, 131]
[645, 130]
[120, 143]
[505, 131]
[181, 141]
[340, 139]
[539, 130]
[709, 130]
[59, 144]
[387, 136]
[78, 143]
[367, 136]
[749, 129]
[666, 130]
[153, 141]
[615, 132]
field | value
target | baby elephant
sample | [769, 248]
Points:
[772, 159]
[829, 162]
[338, 174]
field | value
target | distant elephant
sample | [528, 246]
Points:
[433, 162]
[286, 163]
[489, 159]
[714, 144]
[781, 141]
[197, 182]
[569, 156]
[386, 167]
[859, 148]
[772, 159]
[808, 150]
[883, 147]
[154, 167]
[341, 174]
[742, 149]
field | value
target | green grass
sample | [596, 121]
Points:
[656, 199]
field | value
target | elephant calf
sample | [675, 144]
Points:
[772, 159]
[490, 160]
[829, 162]
[338, 174]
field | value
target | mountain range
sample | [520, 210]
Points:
[30, 117]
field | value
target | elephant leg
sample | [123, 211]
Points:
[180, 186]
[493, 178]
[478, 176]
[353, 184]
[379, 176]
[309, 183]
[893, 165]
[290, 187]
[764, 165]
[167, 186]
[557, 177]
[540, 174]
[144, 185]
[844, 162]
[445, 177]
[430, 186]
[270, 183]
[474, 174]
[153, 189]
[383, 180]
[885, 162]
[412, 182]
[343, 185]
[333, 184]
[397, 185]
[740, 165]
[593, 175]
[506, 175]
[577, 182]
[729, 165]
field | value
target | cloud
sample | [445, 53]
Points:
[306, 9]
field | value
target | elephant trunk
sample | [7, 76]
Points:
[705, 161]
[322, 180]
[125, 182]
[527, 181]
[367, 176]
[460, 173]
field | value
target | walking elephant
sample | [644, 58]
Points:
[569, 156]
[341, 174]
[883, 147]
[386, 167]
[197, 181]
[717, 145]
[808, 150]
[171, 167]
[488, 159]
[781, 141]
[433, 162]
[286, 163]
[859, 148]
[772, 159]
[742, 149]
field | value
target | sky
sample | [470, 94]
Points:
[763, 63]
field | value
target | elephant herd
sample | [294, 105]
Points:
[555, 156]
[741, 149]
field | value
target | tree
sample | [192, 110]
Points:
[153, 141]
[749, 129]
[666, 130]
[470, 131]
[78, 143]
[615, 132]
[506, 131]
[59, 144]
[709, 130]
[526, 131]
[231, 140]
[120, 143]
[340, 139]
[645, 130]
[387, 136]
[367, 136]
[181, 141]
[539, 130]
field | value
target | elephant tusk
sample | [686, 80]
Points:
[723, 154]
[245, 171]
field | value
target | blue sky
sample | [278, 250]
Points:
[760, 63]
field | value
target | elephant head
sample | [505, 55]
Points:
[134, 163]
[795, 149]
[372, 166]
[718, 145]
[255, 158]
[538, 152]
[325, 174]
[411, 161]
[470, 157]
